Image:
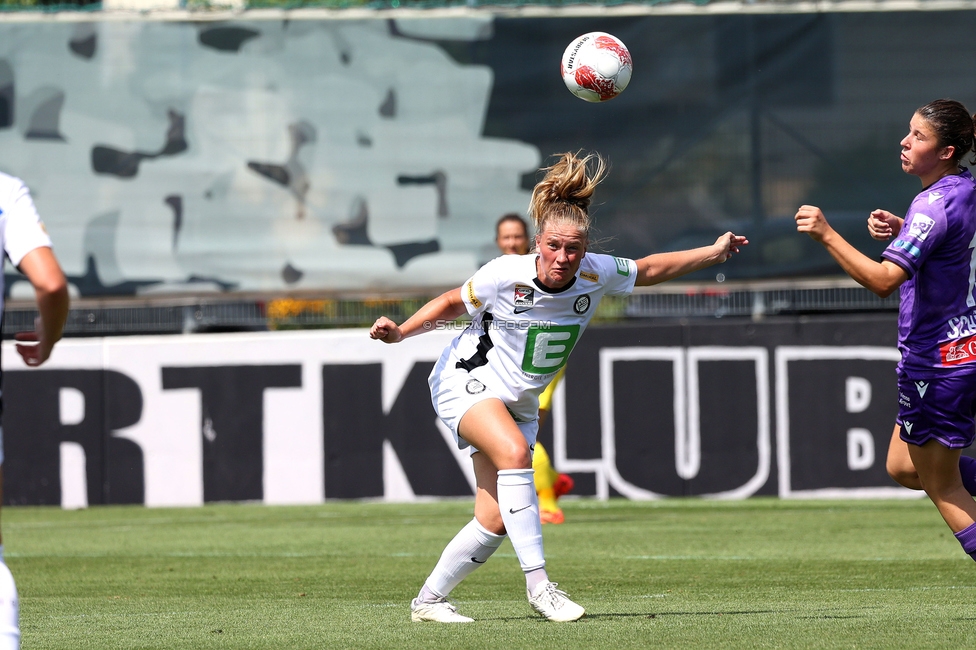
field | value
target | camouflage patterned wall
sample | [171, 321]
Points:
[269, 155]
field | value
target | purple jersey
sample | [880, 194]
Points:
[937, 248]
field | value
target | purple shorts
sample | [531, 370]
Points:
[940, 409]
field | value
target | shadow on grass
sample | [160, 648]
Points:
[612, 615]
[620, 615]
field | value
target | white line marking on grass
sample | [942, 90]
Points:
[118, 615]
[939, 588]
[754, 558]
[100, 523]
[690, 557]
[174, 554]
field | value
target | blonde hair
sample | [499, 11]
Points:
[565, 193]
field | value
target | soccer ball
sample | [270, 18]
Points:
[596, 67]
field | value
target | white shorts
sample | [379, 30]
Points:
[453, 393]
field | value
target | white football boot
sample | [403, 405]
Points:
[439, 611]
[554, 604]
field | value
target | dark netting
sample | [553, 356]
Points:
[737, 121]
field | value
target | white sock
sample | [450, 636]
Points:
[535, 578]
[520, 512]
[469, 549]
[9, 611]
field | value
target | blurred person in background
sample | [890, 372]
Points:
[512, 235]
[527, 313]
[512, 238]
[931, 260]
[28, 247]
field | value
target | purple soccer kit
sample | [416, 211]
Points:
[937, 323]
[937, 314]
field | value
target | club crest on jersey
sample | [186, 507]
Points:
[524, 297]
[474, 387]
[582, 304]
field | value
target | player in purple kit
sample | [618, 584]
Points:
[932, 259]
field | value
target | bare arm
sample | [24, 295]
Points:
[882, 278]
[661, 267]
[442, 309]
[42, 269]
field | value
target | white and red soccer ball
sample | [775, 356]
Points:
[596, 67]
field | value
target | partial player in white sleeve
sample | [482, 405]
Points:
[528, 312]
[28, 247]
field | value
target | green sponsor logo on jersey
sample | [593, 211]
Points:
[623, 268]
[547, 348]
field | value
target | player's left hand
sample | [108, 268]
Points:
[882, 225]
[729, 244]
[811, 220]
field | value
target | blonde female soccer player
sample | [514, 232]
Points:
[512, 238]
[527, 313]
[932, 260]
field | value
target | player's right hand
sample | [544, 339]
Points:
[729, 244]
[811, 220]
[882, 225]
[385, 330]
[34, 347]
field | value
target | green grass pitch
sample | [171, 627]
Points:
[761, 573]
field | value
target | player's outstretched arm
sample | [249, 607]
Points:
[661, 267]
[442, 309]
[883, 225]
[44, 273]
[882, 278]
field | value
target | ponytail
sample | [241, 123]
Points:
[565, 193]
[972, 160]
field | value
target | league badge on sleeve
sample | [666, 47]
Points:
[623, 268]
[921, 226]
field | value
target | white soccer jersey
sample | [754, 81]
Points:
[522, 332]
[20, 227]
